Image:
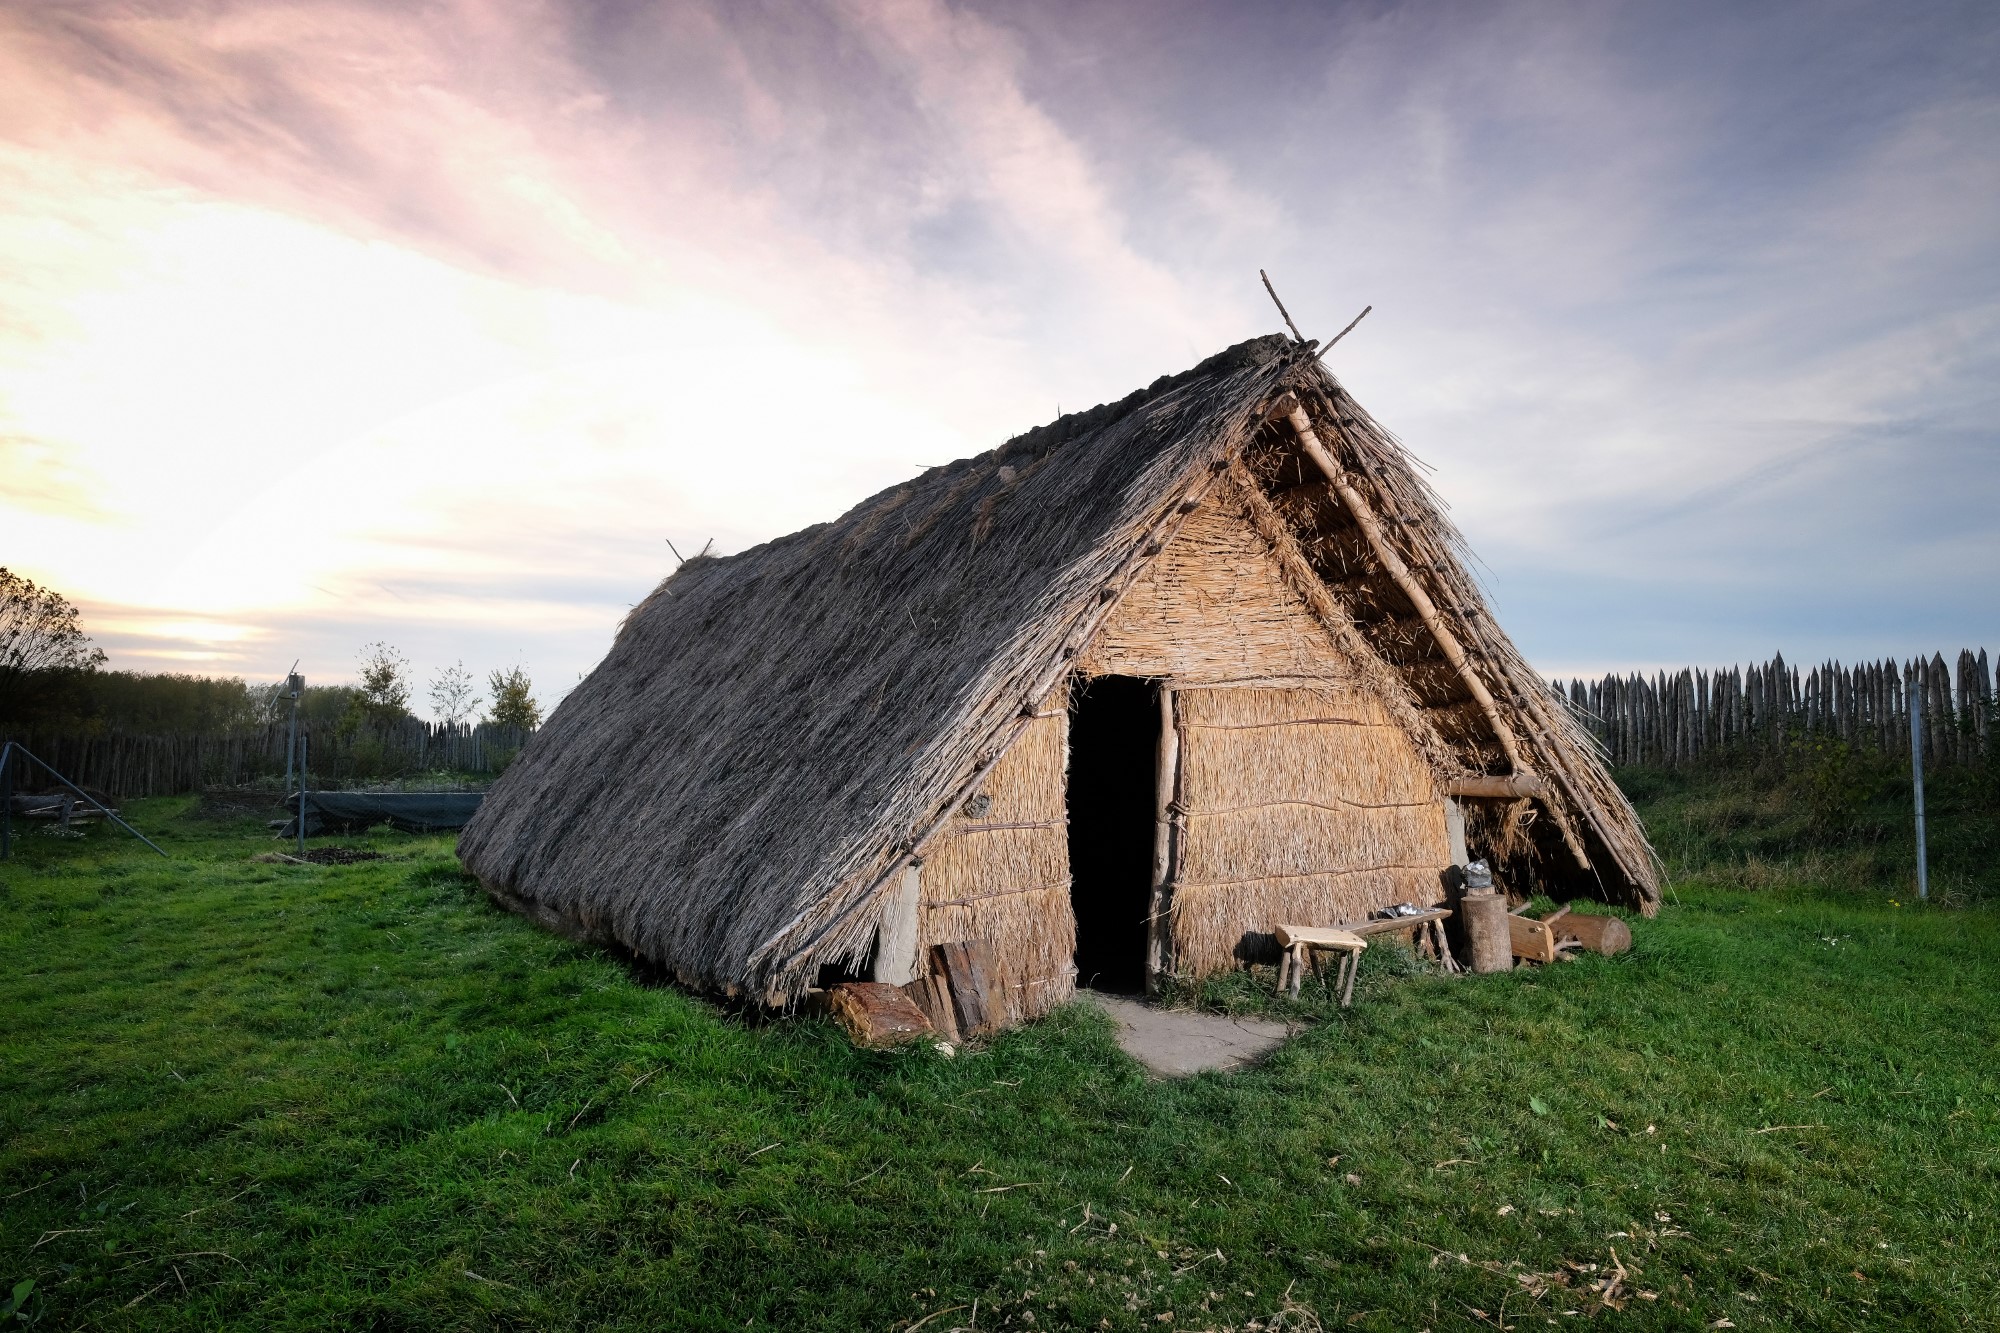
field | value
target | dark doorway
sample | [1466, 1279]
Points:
[1114, 743]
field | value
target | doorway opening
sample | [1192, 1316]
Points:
[1114, 744]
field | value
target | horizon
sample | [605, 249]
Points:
[334, 324]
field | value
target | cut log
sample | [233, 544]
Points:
[933, 997]
[876, 1013]
[1484, 918]
[967, 969]
[1600, 934]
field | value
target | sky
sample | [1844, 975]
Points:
[447, 324]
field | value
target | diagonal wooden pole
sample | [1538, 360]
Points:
[1385, 555]
[1281, 306]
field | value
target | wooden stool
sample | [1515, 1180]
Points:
[1298, 943]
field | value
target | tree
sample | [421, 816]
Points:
[452, 697]
[513, 700]
[383, 696]
[47, 663]
[40, 630]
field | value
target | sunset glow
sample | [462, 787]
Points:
[332, 323]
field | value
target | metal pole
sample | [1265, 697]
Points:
[1913, 695]
[302, 798]
[6, 800]
[91, 801]
[295, 755]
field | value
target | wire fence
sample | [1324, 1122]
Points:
[1678, 718]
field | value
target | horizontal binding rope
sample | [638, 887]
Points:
[1307, 874]
[1289, 722]
[1321, 683]
[1342, 803]
[988, 828]
[997, 893]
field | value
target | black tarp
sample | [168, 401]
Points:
[411, 811]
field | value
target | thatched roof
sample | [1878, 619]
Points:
[772, 732]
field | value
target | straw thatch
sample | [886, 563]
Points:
[774, 736]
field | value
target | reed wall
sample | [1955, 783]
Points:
[1000, 871]
[1300, 800]
[1213, 607]
[1299, 806]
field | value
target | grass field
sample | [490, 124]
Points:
[249, 1095]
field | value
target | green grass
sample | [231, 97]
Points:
[248, 1095]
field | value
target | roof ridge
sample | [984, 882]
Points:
[1046, 439]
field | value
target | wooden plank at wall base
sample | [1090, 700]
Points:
[933, 996]
[967, 969]
[896, 935]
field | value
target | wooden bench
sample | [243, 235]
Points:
[1349, 938]
[1426, 932]
[1298, 942]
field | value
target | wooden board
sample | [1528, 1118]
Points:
[931, 995]
[1530, 939]
[967, 970]
[1329, 937]
[1389, 924]
[1504, 787]
[876, 1013]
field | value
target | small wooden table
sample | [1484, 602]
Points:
[1349, 938]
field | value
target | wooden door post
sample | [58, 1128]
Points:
[1165, 776]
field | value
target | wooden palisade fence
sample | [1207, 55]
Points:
[1679, 717]
[1670, 719]
[125, 765]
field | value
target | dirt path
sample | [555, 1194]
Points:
[1177, 1042]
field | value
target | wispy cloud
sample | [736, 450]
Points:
[338, 320]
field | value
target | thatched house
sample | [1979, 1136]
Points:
[1117, 698]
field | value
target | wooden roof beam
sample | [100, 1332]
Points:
[1392, 562]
